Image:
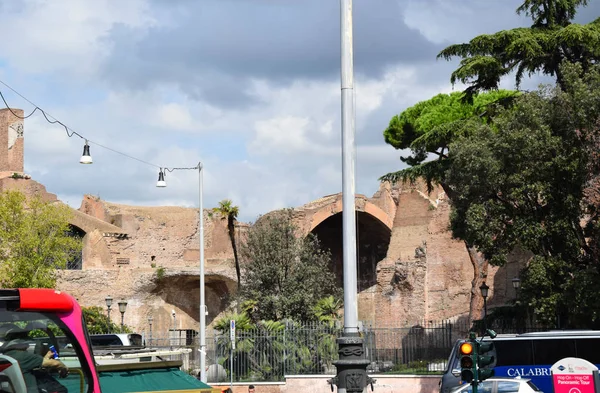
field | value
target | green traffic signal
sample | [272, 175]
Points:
[485, 373]
[484, 359]
[485, 347]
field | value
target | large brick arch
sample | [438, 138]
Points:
[361, 205]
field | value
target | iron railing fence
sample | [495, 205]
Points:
[269, 355]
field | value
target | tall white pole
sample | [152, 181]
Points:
[202, 299]
[351, 367]
[348, 170]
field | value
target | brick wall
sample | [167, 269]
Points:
[11, 141]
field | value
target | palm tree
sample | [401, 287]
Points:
[230, 212]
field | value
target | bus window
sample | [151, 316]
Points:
[548, 352]
[589, 349]
[513, 353]
[29, 336]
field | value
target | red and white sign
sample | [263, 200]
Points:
[575, 383]
[573, 375]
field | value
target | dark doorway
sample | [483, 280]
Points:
[76, 260]
[373, 240]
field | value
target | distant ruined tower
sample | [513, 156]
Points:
[11, 141]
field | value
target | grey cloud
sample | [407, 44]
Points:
[589, 13]
[213, 40]
[428, 81]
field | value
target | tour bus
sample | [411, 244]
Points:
[530, 355]
[49, 314]
[36, 320]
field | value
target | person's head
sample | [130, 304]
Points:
[251, 389]
[16, 333]
[16, 338]
[5, 329]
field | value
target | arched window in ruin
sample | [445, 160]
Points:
[76, 261]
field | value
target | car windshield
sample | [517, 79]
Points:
[25, 338]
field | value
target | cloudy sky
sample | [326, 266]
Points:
[250, 88]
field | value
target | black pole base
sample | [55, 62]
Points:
[352, 366]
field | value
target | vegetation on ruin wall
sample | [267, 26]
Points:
[35, 241]
[523, 172]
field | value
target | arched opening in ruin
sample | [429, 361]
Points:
[372, 238]
[183, 291]
[76, 260]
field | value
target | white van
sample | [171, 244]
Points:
[116, 340]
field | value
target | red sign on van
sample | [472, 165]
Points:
[573, 383]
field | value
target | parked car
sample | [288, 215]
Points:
[500, 385]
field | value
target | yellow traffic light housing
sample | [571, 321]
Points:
[467, 362]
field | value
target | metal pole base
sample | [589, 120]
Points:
[352, 366]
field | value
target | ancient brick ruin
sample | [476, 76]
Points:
[410, 268]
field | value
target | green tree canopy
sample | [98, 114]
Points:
[542, 47]
[429, 127]
[97, 321]
[284, 274]
[521, 182]
[34, 241]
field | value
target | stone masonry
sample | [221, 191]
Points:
[11, 141]
[410, 268]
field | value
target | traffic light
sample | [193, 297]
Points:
[467, 363]
[484, 359]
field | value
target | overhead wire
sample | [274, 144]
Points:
[70, 132]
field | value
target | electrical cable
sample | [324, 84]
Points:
[70, 132]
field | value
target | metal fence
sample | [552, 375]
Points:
[269, 355]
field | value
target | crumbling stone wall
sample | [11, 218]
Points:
[150, 255]
[152, 261]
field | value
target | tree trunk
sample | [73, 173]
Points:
[231, 230]
[480, 270]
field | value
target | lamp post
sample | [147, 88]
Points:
[351, 367]
[108, 301]
[122, 308]
[150, 319]
[172, 334]
[202, 307]
[484, 293]
[516, 283]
